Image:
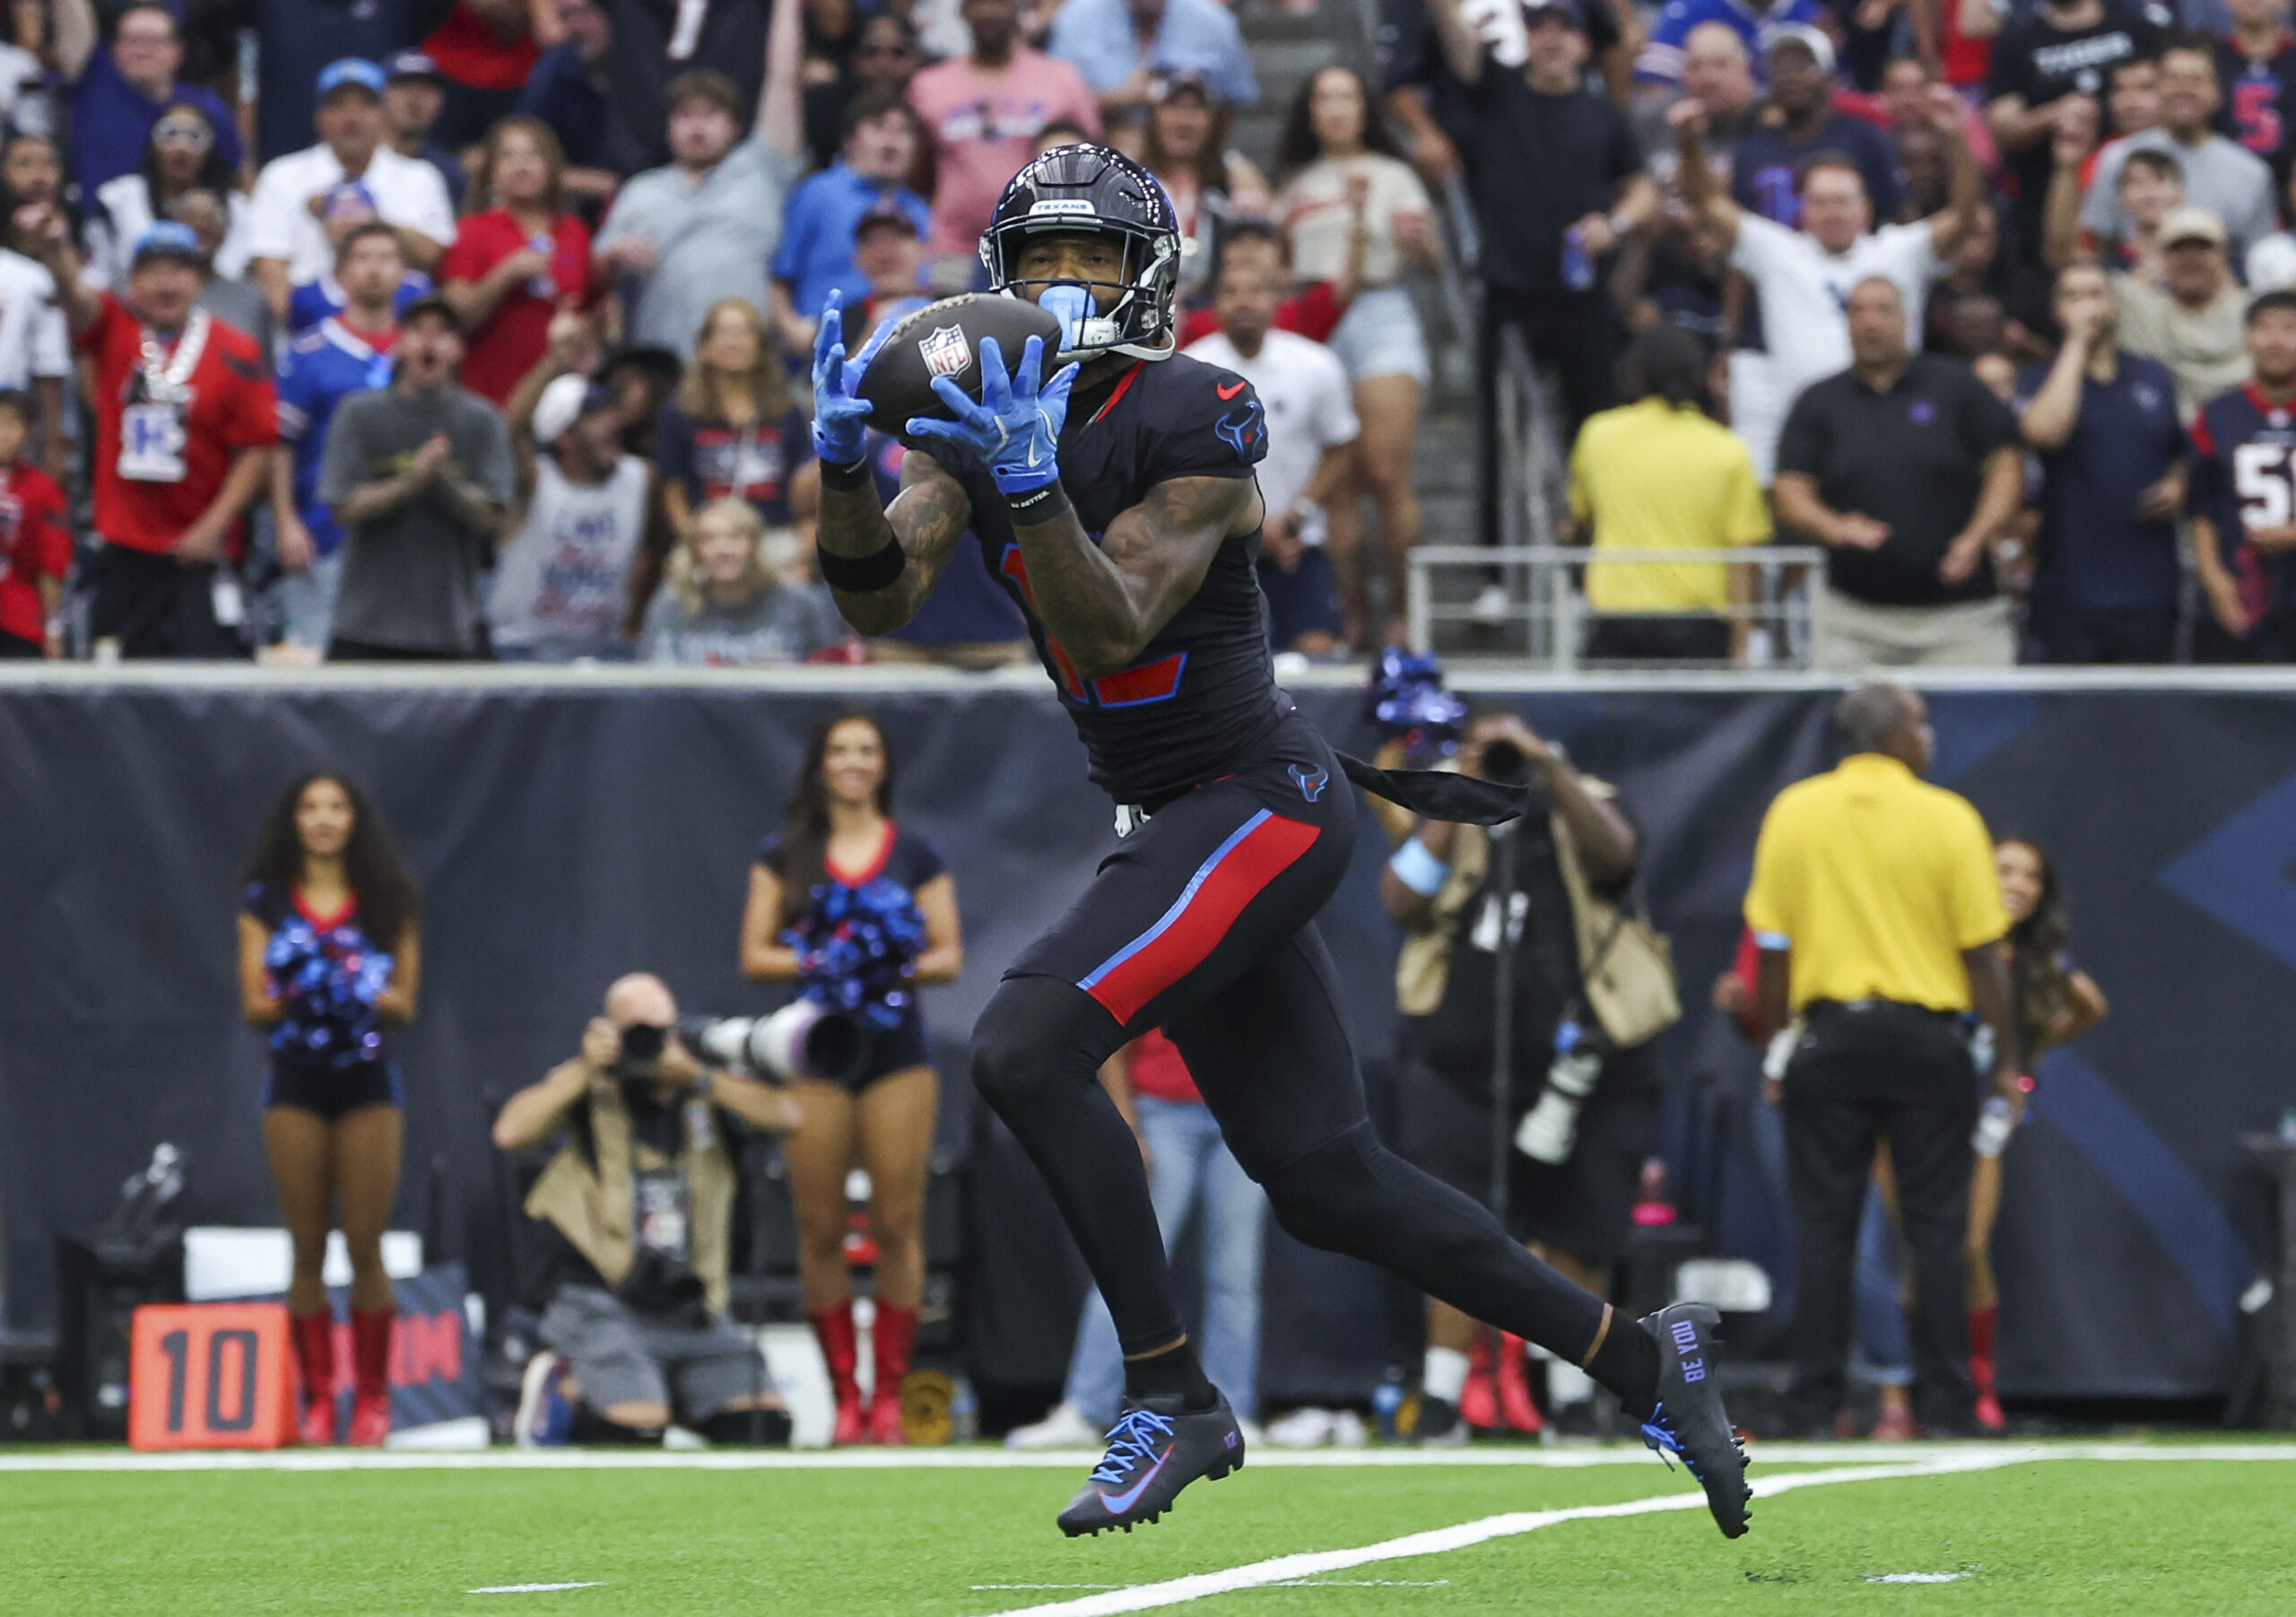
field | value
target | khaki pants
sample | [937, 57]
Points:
[1852, 636]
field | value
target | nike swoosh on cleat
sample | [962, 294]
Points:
[1227, 393]
[1124, 1501]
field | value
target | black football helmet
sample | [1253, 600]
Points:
[1090, 187]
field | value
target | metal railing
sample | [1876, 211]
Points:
[1545, 603]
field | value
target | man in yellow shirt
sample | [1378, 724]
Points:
[1879, 919]
[1662, 474]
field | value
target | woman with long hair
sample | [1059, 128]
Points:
[520, 255]
[2055, 1002]
[732, 431]
[1185, 146]
[728, 606]
[1347, 193]
[180, 155]
[330, 955]
[843, 873]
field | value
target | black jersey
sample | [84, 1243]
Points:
[1203, 694]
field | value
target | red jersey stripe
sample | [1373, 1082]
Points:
[1238, 871]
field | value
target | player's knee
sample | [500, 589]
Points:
[1329, 1198]
[1026, 1038]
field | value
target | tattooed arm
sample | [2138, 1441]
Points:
[926, 519]
[1105, 603]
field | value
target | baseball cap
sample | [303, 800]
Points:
[166, 240]
[2191, 224]
[885, 215]
[1173, 79]
[429, 305]
[412, 64]
[1810, 39]
[1568, 10]
[565, 401]
[355, 72]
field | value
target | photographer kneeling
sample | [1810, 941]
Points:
[1582, 985]
[639, 1203]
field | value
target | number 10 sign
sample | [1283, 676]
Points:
[210, 1376]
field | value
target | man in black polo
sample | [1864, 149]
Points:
[1558, 180]
[1904, 466]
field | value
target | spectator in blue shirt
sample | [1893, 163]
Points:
[1121, 46]
[1752, 21]
[883, 137]
[571, 91]
[1766, 164]
[119, 89]
[2113, 472]
[343, 354]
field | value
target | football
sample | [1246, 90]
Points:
[944, 340]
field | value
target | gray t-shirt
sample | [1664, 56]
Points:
[786, 623]
[713, 237]
[411, 575]
[2231, 182]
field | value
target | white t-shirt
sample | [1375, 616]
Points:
[33, 342]
[1303, 387]
[1313, 213]
[126, 213]
[407, 191]
[1804, 289]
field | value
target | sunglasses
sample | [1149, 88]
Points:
[183, 134]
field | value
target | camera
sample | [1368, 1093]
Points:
[800, 1040]
[1551, 1127]
[1504, 764]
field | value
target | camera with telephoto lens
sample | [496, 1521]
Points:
[800, 1040]
[1551, 1127]
[1503, 763]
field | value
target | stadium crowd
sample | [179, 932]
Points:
[488, 339]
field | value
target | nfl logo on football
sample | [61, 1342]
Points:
[946, 352]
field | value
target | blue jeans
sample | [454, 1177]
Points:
[1882, 1343]
[1189, 1170]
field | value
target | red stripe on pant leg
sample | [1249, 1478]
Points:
[1184, 945]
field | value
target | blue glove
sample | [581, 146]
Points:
[840, 420]
[1016, 426]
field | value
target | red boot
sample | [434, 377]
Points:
[833, 1329]
[313, 1337]
[1983, 1324]
[1520, 1410]
[892, 1336]
[1479, 1399]
[370, 1364]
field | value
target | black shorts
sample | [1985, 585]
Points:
[889, 1051]
[156, 606]
[333, 1092]
[1200, 923]
[1583, 1206]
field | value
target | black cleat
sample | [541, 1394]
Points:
[1689, 1419]
[1156, 1449]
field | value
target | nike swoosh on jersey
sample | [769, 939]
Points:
[1124, 1501]
[1227, 393]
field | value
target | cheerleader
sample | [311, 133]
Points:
[329, 953]
[860, 914]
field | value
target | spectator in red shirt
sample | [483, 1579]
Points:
[186, 418]
[518, 258]
[35, 543]
[482, 50]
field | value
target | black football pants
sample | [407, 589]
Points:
[1201, 923]
[1859, 1076]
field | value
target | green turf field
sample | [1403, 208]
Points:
[2180, 1529]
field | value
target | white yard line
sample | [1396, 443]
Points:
[1290, 1568]
[1836, 1455]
